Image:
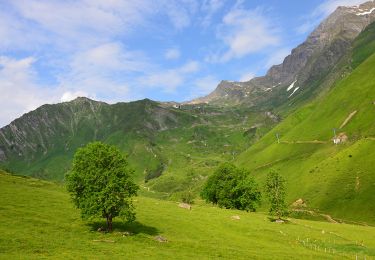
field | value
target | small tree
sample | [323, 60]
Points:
[231, 187]
[275, 189]
[187, 197]
[100, 183]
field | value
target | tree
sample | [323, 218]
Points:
[231, 187]
[275, 189]
[100, 183]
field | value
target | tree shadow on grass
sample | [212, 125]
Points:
[133, 227]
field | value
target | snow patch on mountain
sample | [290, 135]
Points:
[291, 85]
[294, 91]
[367, 12]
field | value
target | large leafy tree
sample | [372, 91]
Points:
[275, 189]
[100, 183]
[232, 187]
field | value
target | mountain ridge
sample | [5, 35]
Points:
[335, 34]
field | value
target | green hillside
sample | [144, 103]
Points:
[164, 144]
[40, 222]
[338, 179]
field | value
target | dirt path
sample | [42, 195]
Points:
[304, 142]
[326, 216]
[329, 218]
[348, 118]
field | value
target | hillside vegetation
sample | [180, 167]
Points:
[338, 179]
[40, 222]
[163, 144]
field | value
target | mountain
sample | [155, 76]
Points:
[335, 178]
[306, 70]
[52, 133]
[160, 139]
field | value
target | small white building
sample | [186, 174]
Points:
[336, 140]
[341, 138]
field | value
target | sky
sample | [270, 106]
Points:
[124, 50]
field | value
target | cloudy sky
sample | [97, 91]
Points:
[122, 50]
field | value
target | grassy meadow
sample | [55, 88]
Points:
[39, 221]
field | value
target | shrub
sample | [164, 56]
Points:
[232, 188]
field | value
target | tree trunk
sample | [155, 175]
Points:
[109, 223]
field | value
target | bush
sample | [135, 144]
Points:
[187, 197]
[232, 188]
[153, 174]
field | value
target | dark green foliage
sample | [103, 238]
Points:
[275, 189]
[364, 46]
[100, 183]
[231, 187]
[152, 174]
[187, 197]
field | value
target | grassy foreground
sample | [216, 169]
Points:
[38, 221]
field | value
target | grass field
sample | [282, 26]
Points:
[38, 221]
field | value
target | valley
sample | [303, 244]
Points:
[311, 119]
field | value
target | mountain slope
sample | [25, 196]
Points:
[159, 140]
[307, 70]
[43, 140]
[338, 179]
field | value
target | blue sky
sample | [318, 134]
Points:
[124, 50]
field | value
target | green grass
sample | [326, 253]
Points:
[338, 180]
[38, 221]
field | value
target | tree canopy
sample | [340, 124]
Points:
[232, 187]
[100, 183]
[275, 189]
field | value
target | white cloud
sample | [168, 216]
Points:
[108, 58]
[169, 79]
[247, 76]
[85, 23]
[104, 72]
[189, 67]
[277, 57]
[205, 85]
[68, 96]
[179, 13]
[210, 8]
[16, 34]
[18, 88]
[244, 32]
[84, 20]
[172, 54]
